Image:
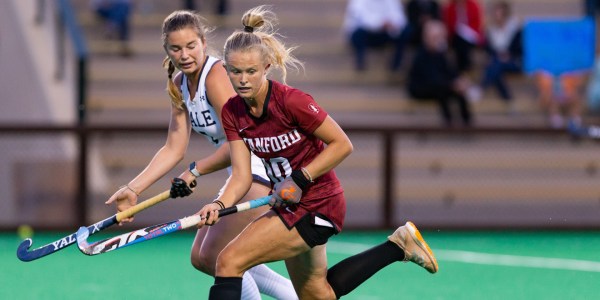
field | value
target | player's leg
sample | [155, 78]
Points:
[272, 283]
[210, 240]
[268, 281]
[219, 235]
[264, 240]
[309, 274]
[405, 244]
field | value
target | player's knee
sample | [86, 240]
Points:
[321, 291]
[228, 264]
[202, 262]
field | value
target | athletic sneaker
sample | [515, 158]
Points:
[409, 239]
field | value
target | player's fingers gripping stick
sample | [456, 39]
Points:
[289, 190]
[179, 188]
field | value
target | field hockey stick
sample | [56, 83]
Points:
[25, 255]
[154, 231]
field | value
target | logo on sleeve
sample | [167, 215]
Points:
[313, 108]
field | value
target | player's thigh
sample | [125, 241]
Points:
[264, 240]
[308, 272]
[219, 235]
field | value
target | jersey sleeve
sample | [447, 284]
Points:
[229, 122]
[306, 111]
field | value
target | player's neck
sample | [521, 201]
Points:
[256, 103]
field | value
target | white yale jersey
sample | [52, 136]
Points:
[202, 115]
[205, 121]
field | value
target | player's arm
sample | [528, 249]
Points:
[237, 184]
[169, 155]
[240, 180]
[338, 148]
[219, 90]
[163, 161]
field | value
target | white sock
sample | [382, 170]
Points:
[272, 283]
[249, 288]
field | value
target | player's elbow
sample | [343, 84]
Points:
[346, 147]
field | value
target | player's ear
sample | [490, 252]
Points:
[267, 67]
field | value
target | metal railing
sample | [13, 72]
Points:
[85, 133]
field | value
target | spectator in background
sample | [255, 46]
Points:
[370, 24]
[221, 6]
[504, 47]
[561, 95]
[419, 12]
[464, 21]
[116, 15]
[432, 77]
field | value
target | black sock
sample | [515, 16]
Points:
[351, 272]
[226, 288]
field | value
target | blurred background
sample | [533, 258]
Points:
[84, 109]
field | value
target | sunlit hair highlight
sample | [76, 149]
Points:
[259, 33]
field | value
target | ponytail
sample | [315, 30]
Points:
[172, 89]
[259, 33]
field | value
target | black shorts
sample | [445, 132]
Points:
[315, 229]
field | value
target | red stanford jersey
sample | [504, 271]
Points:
[282, 138]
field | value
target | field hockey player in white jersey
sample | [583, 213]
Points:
[198, 93]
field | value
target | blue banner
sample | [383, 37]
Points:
[559, 46]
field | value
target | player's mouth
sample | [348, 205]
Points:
[186, 66]
[244, 89]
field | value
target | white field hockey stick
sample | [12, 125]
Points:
[154, 231]
[24, 254]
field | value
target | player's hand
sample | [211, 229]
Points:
[209, 214]
[180, 188]
[285, 192]
[124, 198]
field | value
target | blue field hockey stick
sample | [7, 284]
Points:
[154, 231]
[24, 254]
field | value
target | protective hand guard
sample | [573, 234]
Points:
[179, 188]
[289, 190]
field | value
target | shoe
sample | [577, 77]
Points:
[409, 239]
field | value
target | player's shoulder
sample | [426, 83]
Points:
[234, 104]
[286, 93]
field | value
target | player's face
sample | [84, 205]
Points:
[186, 50]
[248, 73]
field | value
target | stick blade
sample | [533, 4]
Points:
[23, 251]
[82, 234]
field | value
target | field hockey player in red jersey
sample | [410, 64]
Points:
[198, 93]
[299, 145]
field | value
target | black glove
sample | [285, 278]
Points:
[179, 188]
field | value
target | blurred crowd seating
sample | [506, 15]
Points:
[131, 89]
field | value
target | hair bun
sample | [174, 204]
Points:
[248, 29]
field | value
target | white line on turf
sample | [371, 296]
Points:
[486, 258]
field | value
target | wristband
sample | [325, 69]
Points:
[219, 203]
[306, 174]
[299, 178]
[129, 188]
[193, 169]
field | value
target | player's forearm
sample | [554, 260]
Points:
[216, 161]
[163, 161]
[333, 154]
[235, 189]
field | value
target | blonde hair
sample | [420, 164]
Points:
[178, 20]
[259, 34]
